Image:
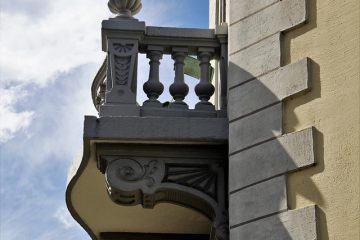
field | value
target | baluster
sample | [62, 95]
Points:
[204, 89]
[153, 87]
[179, 89]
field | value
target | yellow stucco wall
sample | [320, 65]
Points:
[331, 40]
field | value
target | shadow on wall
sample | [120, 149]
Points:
[256, 189]
[311, 23]
[261, 158]
[291, 121]
[310, 192]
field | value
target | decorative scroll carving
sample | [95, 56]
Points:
[132, 182]
[147, 181]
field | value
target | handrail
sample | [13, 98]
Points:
[100, 78]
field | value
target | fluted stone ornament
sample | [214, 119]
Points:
[125, 8]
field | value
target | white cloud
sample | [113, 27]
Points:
[63, 216]
[12, 121]
[35, 49]
[58, 111]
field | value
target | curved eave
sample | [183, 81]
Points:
[164, 218]
[73, 180]
[86, 194]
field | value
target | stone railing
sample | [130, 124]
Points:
[124, 37]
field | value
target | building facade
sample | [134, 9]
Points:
[273, 155]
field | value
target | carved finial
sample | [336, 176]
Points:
[125, 8]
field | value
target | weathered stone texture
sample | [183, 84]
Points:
[167, 129]
[258, 201]
[254, 61]
[279, 156]
[279, 17]
[291, 225]
[269, 89]
[255, 128]
[244, 8]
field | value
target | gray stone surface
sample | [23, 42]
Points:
[244, 8]
[121, 29]
[180, 32]
[127, 110]
[258, 201]
[269, 89]
[255, 128]
[279, 17]
[157, 129]
[279, 156]
[292, 225]
[131, 25]
[254, 61]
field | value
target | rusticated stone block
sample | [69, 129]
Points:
[258, 201]
[279, 17]
[255, 128]
[298, 224]
[254, 61]
[244, 8]
[279, 156]
[269, 89]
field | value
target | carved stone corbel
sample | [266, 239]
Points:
[198, 184]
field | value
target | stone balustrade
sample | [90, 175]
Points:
[114, 89]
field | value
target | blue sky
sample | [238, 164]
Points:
[50, 52]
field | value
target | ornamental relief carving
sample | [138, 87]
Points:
[198, 176]
[148, 181]
[123, 48]
[122, 69]
[125, 174]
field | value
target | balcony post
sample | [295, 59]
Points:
[120, 39]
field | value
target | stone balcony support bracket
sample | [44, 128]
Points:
[154, 175]
[184, 162]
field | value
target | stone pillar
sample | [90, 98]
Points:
[120, 39]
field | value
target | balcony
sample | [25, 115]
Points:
[115, 86]
[153, 152]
